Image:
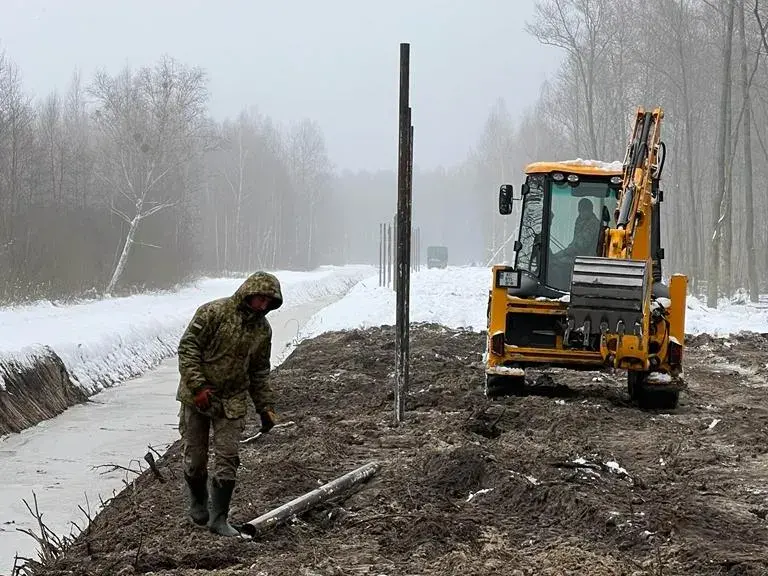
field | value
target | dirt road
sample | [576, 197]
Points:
[570, 479]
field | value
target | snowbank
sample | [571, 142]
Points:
[458, 297]
[455, 297]
[729, 318]
[107, 341]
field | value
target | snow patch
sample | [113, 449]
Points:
[473, 495]
[659, 378]
[613, 466]
[454, 297]
[727, 319]
[615, 166]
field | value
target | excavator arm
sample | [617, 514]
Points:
[611, 294]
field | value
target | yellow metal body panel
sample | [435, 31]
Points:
[678, 289]
[501, 303]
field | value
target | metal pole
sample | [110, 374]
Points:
[381, 253]
[403, 238]
[332, 489]
[393, 249]
[407, 266]
[389, 254]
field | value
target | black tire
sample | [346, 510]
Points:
[497, 386]
[647, 397]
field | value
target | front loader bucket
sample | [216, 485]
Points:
[607, 293]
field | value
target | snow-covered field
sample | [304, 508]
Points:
[458, 297]
[103, 342]
[455, 297]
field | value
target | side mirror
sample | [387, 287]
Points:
[518, 246]
[505, 199]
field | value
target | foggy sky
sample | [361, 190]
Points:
[335, 61]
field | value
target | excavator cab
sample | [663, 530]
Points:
[566, 209]
[586, 290]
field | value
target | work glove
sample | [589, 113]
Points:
[203, 398]
[267, 420]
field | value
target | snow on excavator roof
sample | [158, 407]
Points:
[578, 166]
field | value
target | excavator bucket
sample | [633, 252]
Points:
[608, 294]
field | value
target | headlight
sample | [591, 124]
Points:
[573, 178]
[508, 278]
[616, 180]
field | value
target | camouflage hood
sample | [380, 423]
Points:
[261, 283]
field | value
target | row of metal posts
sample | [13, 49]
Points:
[387, 248]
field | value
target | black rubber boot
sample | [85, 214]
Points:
[221, 496]
[198, 498]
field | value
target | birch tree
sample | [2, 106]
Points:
[723, 134]
[310, 170]
[153, 122]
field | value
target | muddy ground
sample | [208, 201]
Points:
[570, 479]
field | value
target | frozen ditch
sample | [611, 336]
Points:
[56, 458]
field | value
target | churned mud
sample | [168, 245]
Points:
[569, 479]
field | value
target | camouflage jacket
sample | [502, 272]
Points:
[585, 236]
[227, 346]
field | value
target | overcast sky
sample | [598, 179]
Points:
[335, 61]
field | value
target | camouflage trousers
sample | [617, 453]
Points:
[195, 430]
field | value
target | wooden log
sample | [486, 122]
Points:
[299, 505]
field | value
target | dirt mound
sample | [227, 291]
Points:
[38, 389]
[570, 479]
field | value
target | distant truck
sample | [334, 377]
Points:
[437, 256]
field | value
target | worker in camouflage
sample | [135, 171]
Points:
[224, 357]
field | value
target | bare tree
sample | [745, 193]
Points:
[748, 192]
[581, 28]
[153, 123]
[719, 211]
[310, 170]
[494, 155]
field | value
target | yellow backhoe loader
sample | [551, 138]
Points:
[586, 290]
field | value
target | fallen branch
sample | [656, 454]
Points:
[299, 505]
[115, 468]
[153, 466]
[260, 434]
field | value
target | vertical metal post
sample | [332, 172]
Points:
[389, 254]
[403, 238]
[393, 248]
[381, 252]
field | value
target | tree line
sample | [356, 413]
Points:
[706, 63]
[124, 182]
